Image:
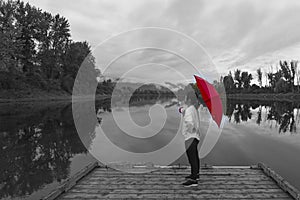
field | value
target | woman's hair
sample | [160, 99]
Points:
[191, 95]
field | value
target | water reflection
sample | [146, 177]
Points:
[142, 141]
[38, 142]
[36, 147]
[284, 114]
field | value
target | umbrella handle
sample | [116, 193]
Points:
[180, 109]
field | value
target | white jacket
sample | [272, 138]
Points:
[191, 123]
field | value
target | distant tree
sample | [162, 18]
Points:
[255, 88]
[228, 83]
[246, 79]
[237, 77]
[297, 76]
[274, 78]
[267, 79]
[288, 72]
[259, 76]
[281, 86]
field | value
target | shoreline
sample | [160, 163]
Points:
[271, 97]
[48, 99]
[69, 98]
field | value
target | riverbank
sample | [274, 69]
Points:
[36, 95]
[272, 97]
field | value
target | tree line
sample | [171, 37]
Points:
[285, 79]
[36, 48]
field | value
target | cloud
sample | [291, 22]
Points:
[236, 34]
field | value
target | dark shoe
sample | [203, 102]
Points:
[190, 183]
[190, 177]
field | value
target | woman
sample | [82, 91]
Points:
[191, 133]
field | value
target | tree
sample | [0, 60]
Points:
[237, 77]
[43, 40]
[228, 83]
[259, 76]
[74, 57]
[37, 48]
[60, 39]
[86, 79]
[274, 78]
[281, 86]
[246, 79]
[288, 72]
[25, 17]
[9, 46]
[297, 76]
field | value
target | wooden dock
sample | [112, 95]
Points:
[253, 182]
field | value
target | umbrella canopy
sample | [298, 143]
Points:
[211, 98]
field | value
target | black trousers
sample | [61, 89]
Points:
[193, 156]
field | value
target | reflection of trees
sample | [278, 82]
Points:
[241, 112]
[144, 95]
[104, 105]
[36, 148]
[281, 112]
[229, 109]
[259, 119]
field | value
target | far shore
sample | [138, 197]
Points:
[69, 98]
[271, 97]
[45, 99]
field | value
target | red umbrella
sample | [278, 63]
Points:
[211, 98]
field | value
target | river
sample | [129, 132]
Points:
[40, 146]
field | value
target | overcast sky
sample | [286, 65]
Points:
[243, 34]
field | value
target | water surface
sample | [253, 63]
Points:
[40, 146]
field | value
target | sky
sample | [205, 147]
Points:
[244, 34]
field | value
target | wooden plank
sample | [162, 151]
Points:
[69, 183]
[176, 179]
[184, 172]
[227, 182]
[149, 182]
[182, 190]
[166, 172]
[210, 175]
[179, 178]
[177, 186]
[283, 184]
[149, 198]
[231, 167]
[187, 169]
[176, 195]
